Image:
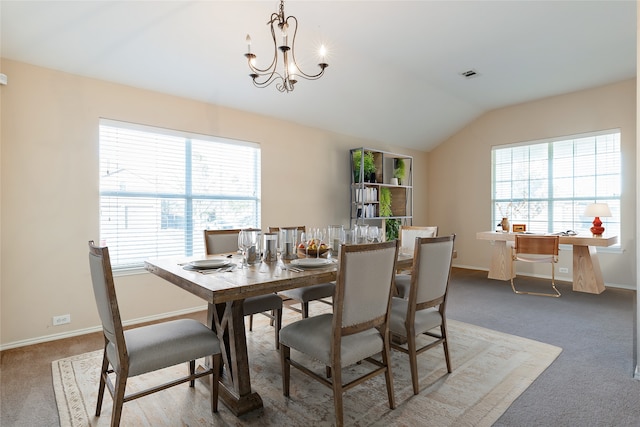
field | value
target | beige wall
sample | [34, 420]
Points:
[460, 171]
[49, 191]
[49, 181]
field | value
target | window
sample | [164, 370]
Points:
[546, 185]
[159, 189]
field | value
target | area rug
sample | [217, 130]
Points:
[490, 370]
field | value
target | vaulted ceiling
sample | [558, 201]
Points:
[395, 67]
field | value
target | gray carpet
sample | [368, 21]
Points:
[591, 382]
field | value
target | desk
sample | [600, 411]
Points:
[224, 293]
[587, 276]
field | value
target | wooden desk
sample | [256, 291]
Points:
[224, 293]
[587, 276]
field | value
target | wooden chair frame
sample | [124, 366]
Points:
[304, 305]
[275, 314]
[381, 323]
[536, 245]
[413, 306]
[121, 372]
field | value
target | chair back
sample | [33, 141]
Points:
[431, 270]
[220, 241]
[364, 286]
[301, 228]
[408, 234]
[536, 245]
[105, 296]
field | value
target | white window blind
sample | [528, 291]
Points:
[159, 189]
[546, 185]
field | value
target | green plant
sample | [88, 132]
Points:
[385, 202]
[369, 163]
[392, 229]
[399, 168]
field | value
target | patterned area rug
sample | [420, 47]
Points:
[490, 370]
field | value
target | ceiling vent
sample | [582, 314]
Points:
[469, 74]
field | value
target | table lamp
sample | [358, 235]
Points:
[597, 210]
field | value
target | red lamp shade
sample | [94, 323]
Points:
[597, 210]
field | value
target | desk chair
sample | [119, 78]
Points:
[148, 348]
[308, 293]
[423, 308]
[357, 329]
[270, 305]
[408, 234]
[536, 249]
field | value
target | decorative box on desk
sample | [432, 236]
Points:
[587, 276]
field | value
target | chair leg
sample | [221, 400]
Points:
[413, 362]
[251, 322]
[305, 310]
[386, 359]
[118, 398]
[445, 344]
[278, 326]
[337, 395]
[285, 353]
[103, 374]
[192, 371]
[215, 381]
[556, 293]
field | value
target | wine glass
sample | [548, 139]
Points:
[303, 242]
[244, 243]
[320, 235]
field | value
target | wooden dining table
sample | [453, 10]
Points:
[224, 292]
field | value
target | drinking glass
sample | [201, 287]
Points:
[320, 236]
[373, 234]
[244, 243]
[362, 231]
[304, 243]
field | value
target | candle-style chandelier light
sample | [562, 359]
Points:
[290, 72]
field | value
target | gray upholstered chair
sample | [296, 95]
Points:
[148, 348]
[270, 305]
[424, 308]
[536, 249]
[358, 327]
[408, 234]
[307, 293]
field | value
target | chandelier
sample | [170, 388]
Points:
[290, 72]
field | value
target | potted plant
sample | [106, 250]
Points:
[369, 165]
[398, 170]
[392, 229]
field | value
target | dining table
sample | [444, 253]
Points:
[224, 290]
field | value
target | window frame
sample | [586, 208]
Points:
[189, 235]
[578, 222]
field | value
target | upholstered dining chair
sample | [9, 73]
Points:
[357, 329]
[307, 294]
[270, 305]
[424, 308]
[148, 348]
[408, 234]
[536, 249]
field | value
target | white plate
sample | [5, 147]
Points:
[209, 263]
[311, 262]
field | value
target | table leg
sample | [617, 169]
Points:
[500, 268]
[235, 387]
[587, 276]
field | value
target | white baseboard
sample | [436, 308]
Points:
[92, 329]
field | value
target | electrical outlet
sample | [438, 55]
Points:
[61, 320]
[564, 270]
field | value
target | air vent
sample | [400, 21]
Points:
[469, 74]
